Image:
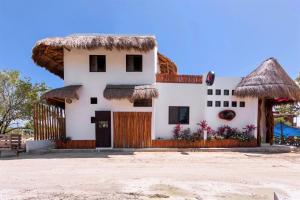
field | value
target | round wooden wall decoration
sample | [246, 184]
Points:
[227, 115]
[69, 101]
[210, 78]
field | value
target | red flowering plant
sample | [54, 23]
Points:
[199, 134]
[203, 124]
[227, 132]
[248, 133]
[177, 131]
[249, 129]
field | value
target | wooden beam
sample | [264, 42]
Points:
[258, 122]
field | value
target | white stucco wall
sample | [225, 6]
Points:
[244, 115]
[79, 112]
[175, 94]
[76, 71]
[195, 96]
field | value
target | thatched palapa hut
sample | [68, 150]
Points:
[272, 85]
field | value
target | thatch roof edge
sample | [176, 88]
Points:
[268, 80]
[130, 92]
[66, 92]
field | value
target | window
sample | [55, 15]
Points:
[209, 103]
[233, 104]
[93, 120]
[179, 115]
[232, 92]
[218, 103]
[242, 104]
[218, 92]
[97, 63]
[226, 92]
[134, 63]
[93, 100]
[209, 92]
[143, 103]
[226, 103]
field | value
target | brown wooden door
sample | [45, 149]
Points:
[132, 129]
[103, 128]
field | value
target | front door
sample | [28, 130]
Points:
[103, 128]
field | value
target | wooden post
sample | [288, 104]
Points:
[258, 122]
[34, 122]
[269, 122]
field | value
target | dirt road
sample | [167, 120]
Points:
[150, 175]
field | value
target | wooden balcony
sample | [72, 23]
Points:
[175, 78]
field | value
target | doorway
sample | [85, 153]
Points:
[103, 128]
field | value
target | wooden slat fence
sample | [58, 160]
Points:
[175, 78]
[132, 129]
[49, 122]
[10, 142]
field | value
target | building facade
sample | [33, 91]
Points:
[130, 94]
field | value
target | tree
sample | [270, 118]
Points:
[290, 108]
[17, 98]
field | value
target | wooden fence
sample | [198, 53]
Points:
[175, 78]
[12, 141]
[49, 122]
[132, 129]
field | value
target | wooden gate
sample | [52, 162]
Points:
[132, 129]
[49, 122]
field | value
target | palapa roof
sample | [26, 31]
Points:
[130, 92]
[67, 92]
[269, 80]
[167, 66]
[48, 53]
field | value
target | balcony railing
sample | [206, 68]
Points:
[174, 78]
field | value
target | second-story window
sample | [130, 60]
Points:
[134, 63]
[97, 63]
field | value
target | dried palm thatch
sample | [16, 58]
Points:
[144, 92]
[269, 80]
[130, 92]
[48, 53]
[67, 92]
[166, 65]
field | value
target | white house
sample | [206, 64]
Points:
[120, 92]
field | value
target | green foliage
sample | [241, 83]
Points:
[17, 98]
[293, 109]
[288, 109]
[281, 120]
[290, 140]
[223, 132]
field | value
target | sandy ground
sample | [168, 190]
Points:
[150, 175]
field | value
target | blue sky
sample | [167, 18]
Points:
[231, 37]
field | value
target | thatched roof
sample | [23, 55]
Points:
[67, 92]
[167, 66]
[130, 92]
[269, 80]
[48, 53]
